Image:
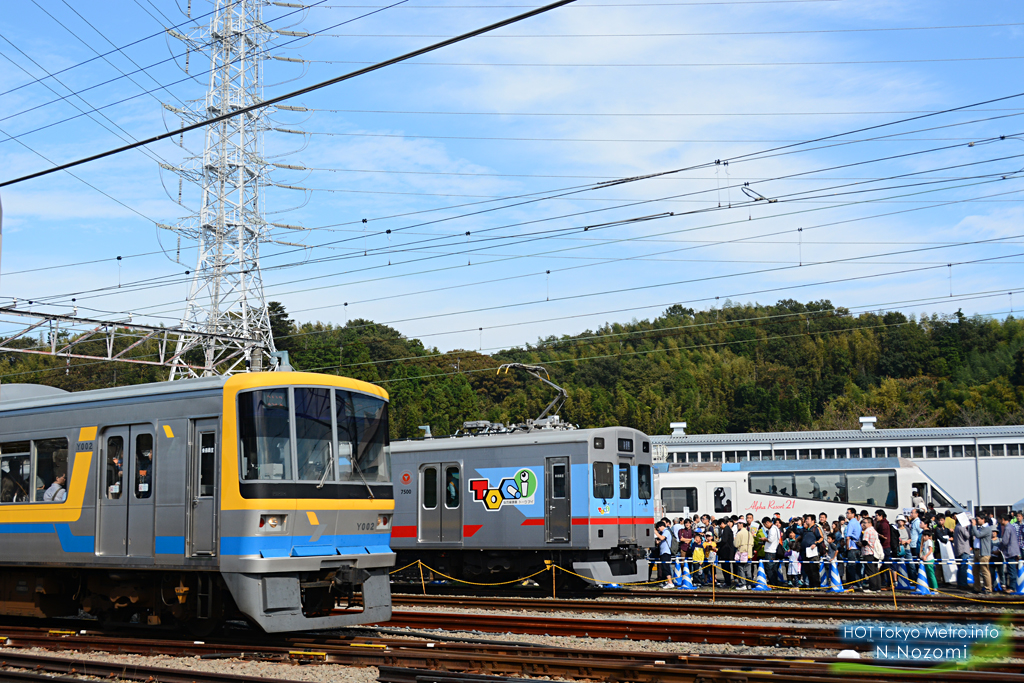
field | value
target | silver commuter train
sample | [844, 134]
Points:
[198, 500]
[494, 506]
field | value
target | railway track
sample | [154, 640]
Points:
[707, 609]
[406, 660]
[705, 594]
[745, 634]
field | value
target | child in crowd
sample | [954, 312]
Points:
[928, 558]
[710, 556]
[793, 557]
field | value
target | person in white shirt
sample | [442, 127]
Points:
[771, 549]
[56, 492]
[917, 501]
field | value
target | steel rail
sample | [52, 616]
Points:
[708, 608]
[770, 635]
[496, 657]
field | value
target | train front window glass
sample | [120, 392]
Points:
[363, 426]
[430, 488]
[723, 498]
[144, 463]
[643, 482]
[679, 500]
[51, 470]
[604, 480]
[626, 445]
[313, 440]
[872, 488]
[451, 487]
[828, 486]
[113, 484]
[15, 471]
[207, 463]
[625, 486]
[558, 481]
[264, 428]
[940, 500]
[771, 484]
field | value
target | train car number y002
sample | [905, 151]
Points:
[366, 526]
[83, 446]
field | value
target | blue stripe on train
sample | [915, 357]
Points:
[69, 543]
[303, 546]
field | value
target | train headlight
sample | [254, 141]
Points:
[272, 523]
[383, 521]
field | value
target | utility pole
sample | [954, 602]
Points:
[225, 297]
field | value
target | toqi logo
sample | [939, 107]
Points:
[406, 478]
[518, 489]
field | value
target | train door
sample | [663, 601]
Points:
[557, 520]
[203, 468]
[440, 503]
[125, 523]
[722, 495]
[627, 530]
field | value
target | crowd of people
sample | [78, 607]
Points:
[869, 550]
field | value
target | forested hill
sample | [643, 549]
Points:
[740, 368]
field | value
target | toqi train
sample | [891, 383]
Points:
[491, 506]
[265, 496]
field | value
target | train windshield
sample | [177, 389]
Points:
[313, 434]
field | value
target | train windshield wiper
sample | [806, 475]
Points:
[327, 469]
[359, 471]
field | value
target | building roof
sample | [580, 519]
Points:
[839, 435]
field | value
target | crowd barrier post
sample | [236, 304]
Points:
[903, 578]
[922, 580]
[677, 573]
[686, 583]
[997, 585]
[970, 571]
[762, 578]
[1020, 578]
[836, 583]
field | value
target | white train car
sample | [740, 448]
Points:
[793, 488]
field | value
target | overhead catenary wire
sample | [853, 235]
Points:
[296, 93]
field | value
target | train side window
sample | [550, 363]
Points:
[430, 488]
[643, 482]
[144, 466]
[625, 485]
[264, 428]
[51, 470]
[451, 487]
[558, 481]
[15, 471]
[825, 486]
[207, 463]
[771, 484]
[113, 485]
[723, 499]
[313, 436]
[598, 442]
[679, 500]
[604, 480]
[872, 487]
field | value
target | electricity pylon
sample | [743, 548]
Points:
[225, 297]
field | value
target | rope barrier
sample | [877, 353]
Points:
[552, 567]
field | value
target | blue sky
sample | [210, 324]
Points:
[590, 92]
